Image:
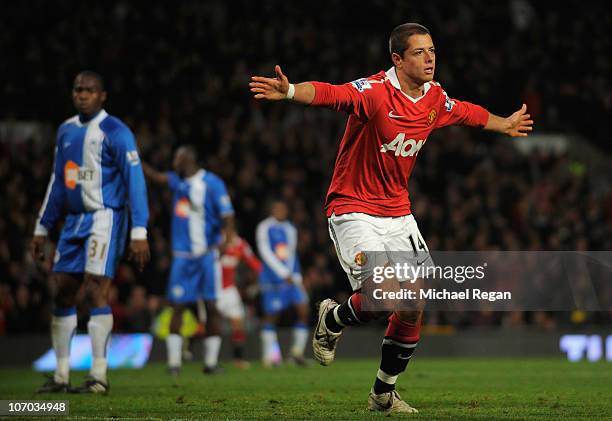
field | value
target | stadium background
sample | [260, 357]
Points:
[177, 73]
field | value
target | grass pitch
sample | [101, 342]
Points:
[441, 389]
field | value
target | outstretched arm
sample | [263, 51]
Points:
[275, 89]
[229, 231]
[359, 97]
[155, 176]
[518, 124]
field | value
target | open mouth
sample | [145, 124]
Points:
[429, 70]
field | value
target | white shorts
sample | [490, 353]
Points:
[230, 304]
[364, 242]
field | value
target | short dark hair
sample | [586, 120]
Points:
[190, 151]
[400, 34]
[93, 75]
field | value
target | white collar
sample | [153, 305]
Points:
[276, 221]
[392, 76]
[199, 174]
[102, 114]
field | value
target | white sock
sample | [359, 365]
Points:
[174, 346]
[300, 337]
[212, 345]
[99, 328]
[269, 343]
[386, 378]
[62, 329]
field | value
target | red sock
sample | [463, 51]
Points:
[401, 331]
[238, 336]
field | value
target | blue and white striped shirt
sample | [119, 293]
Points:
[96, 167]
[199, 204]
[277, 247]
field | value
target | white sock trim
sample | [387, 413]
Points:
[269, 343]
[300, 338]
[62, 330]
[62, 372]
[174, 348]
[336, 317]
[388, 341]
[212, 345]
[350, 304]
[384, 377]
[98, 369]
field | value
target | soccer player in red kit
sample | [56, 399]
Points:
[229, 302]
[391, 115]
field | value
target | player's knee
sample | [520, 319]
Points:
[268, 318]
[211, 309]
[64, 290]
[64, 300]
[177, 318]
[97, 289]
[409, 316]
[412, 307]
[303, 310]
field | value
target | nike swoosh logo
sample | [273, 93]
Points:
[420, 263]
[391, 115]
[67, 145]
[401, 357]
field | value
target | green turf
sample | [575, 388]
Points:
[440, 388]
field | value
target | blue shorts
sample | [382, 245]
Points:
[194, 277]
[92, 242]
[277, 297]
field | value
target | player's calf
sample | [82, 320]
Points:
[401, 339]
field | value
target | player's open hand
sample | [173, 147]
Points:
[272, 89]
[519, 123]
[37, 247]
[139, 253]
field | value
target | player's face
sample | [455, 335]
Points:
[418, 61]
[87, 95]
[280, 211]
[178, 163]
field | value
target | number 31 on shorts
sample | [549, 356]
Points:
[97, 249]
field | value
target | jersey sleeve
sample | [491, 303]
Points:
[174, 182]
[267, 254]
[360, 97]
[463, 113]
[53, 203]
[297, 270]
[248, 257]
[222, 201]
[128, 162]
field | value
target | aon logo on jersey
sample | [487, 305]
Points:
[402, 146]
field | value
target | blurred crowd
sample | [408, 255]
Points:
[178, 73]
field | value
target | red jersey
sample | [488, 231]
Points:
[238, 250]
[384, 133]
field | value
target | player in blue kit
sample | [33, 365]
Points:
[280, 282]
[97, 177]
[202, 223]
